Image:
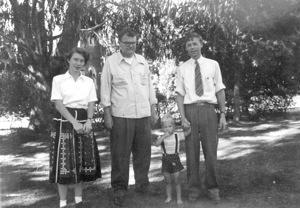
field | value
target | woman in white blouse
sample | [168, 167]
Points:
[74, 157]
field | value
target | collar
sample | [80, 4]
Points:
[68, 75]
[136, 57]
[200, 60]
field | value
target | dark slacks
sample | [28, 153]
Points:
[204, 128]
[130, 135]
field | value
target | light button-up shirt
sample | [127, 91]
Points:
[127, 87]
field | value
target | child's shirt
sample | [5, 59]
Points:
[170, 145]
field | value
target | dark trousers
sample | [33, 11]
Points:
[204, 126]
[130, 135]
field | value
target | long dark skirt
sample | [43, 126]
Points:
[74, 157]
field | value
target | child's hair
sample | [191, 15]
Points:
[166, 119]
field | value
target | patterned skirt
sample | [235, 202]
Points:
[74, 157]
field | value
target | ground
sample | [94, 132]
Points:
[258, 166]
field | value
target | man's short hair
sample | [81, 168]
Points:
[80, 51]
[190, 36]
[127, 31]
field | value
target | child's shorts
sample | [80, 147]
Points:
[171, 163]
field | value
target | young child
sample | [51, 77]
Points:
[171, 165]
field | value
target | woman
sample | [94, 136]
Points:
[74, 157]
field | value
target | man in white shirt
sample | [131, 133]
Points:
[199, 89]
[129, 101]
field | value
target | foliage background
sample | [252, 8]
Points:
[256, 43]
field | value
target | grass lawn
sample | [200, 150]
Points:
[258, 166]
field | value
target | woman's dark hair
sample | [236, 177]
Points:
[127, 31]
[80, 51]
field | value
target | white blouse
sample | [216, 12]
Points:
[74, 94]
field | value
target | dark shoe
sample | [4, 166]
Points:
[192, 197]
[83, 205]
[146, 189]
[214, 195]
[118, 198]
[142, 189]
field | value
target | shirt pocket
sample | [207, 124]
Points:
[209, 83]
[119, 80]
[143, 78]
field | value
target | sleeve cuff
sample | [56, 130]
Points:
[221, 87]
[180, 92]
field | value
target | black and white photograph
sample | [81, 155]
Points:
[149, 103]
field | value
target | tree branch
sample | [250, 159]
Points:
[54, 37]
[20, 44]
[92, 28]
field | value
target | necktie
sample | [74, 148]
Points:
[198, 80]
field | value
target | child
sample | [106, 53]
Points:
[171, 165]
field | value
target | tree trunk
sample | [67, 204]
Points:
[236, 100]
[71, 28]
[236, 93]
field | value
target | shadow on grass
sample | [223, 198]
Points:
[259, 166]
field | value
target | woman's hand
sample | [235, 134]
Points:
[78, 127]
[87, 127]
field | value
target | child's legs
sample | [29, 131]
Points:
[178, 186]
[168, 181]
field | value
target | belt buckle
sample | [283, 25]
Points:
[200, 103]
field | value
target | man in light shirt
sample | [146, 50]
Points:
[200, 89]
[129, 101]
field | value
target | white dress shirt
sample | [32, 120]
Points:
[211, 79]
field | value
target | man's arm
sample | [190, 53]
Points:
[106, 95]
[152, 99]
[108, 122]
[154, 116]
[179, 100]
[221, 102]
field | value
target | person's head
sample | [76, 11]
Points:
[77, 59]
[168, 123]
[193, 44]
[127, 39]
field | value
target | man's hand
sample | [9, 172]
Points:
[185, 123]
[108, 121]
[154, 118]
[222, 122]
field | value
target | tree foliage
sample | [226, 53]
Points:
[257, 49]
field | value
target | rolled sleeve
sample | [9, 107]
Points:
[218, 78]
[55, 92]
[105, 91]
[179, 83]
